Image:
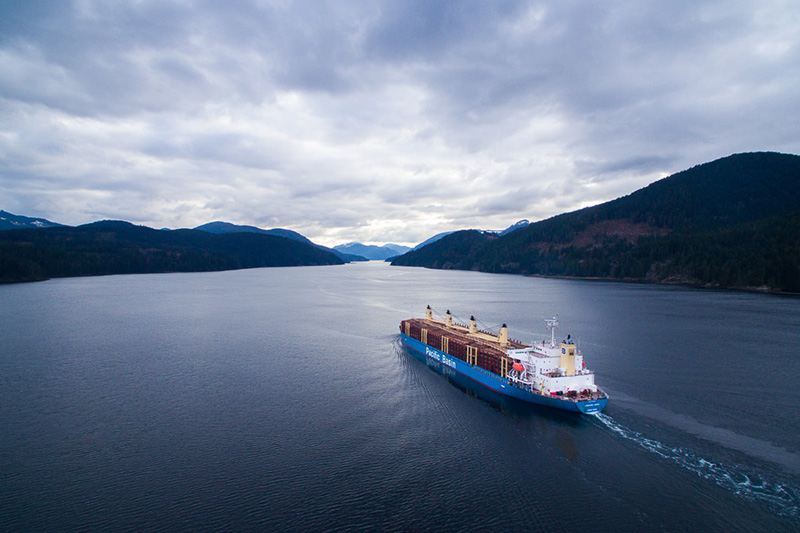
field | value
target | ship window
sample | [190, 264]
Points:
[563, 350]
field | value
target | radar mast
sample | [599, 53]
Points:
[552, 325]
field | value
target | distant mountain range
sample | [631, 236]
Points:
[372, 252]
[118, 247]
[389, 251]
[733, 222]
[349, 252]
[353, 251]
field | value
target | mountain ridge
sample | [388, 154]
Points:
[11, 221]
[663, 233]
[371, 251]
[220, 228]
[119, 247]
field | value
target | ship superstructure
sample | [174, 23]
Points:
[551, 373]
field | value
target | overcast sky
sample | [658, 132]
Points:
[379, 121]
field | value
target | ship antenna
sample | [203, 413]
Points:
[552, 324]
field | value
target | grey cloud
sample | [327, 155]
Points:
[423, 31]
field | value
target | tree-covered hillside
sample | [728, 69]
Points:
[11, 221]
[729, 223]
[220, 227]
[122, 248]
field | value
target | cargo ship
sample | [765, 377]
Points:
[547, 373]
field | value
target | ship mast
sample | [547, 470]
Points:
[552, 324]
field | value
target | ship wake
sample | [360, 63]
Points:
[735, 478]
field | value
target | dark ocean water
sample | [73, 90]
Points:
[281, 399]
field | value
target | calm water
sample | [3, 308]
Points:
[281, 399]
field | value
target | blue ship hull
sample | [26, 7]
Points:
[500, 385]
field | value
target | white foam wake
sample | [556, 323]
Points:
[734, 478]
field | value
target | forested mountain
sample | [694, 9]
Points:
[514, 227]
[12, 221]
[220, 228]
[112, 247]
[733, 222]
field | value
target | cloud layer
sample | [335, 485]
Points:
[378, 121]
